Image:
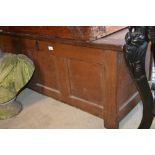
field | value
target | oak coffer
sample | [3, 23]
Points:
[90, 75]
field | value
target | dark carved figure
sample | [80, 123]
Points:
[135, 51]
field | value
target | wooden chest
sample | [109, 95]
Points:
[89, 75]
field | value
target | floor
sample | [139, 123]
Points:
[44, 112]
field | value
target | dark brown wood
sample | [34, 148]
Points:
[135, 53]
[89, 75]
[151, 34]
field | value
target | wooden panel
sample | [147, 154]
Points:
[6, 43]
[131, 103]
[91, 55]
[9, 44]
[126, 87]
[27, 44]
[85, 81]
[50, 65]
[1, 42]
[83, 91]
[48, 72]
[4, 28]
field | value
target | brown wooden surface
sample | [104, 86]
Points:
[93, 79]
[113, 41]
[85, 33]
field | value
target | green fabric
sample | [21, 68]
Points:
[15, 72]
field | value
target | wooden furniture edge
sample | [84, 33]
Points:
[66, 41]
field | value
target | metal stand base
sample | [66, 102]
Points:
[154, 107]
[10, 109]
[153, 88]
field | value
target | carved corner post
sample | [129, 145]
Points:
[135, 52]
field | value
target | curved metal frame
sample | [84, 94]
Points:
[135, 52]
[151, 34]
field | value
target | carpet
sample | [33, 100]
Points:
[42, 112]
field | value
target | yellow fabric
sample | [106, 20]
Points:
[15, 72]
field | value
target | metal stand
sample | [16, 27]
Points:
[10, 109]
[152, 38]
[135, 52]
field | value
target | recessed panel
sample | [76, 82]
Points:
[86, 81]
